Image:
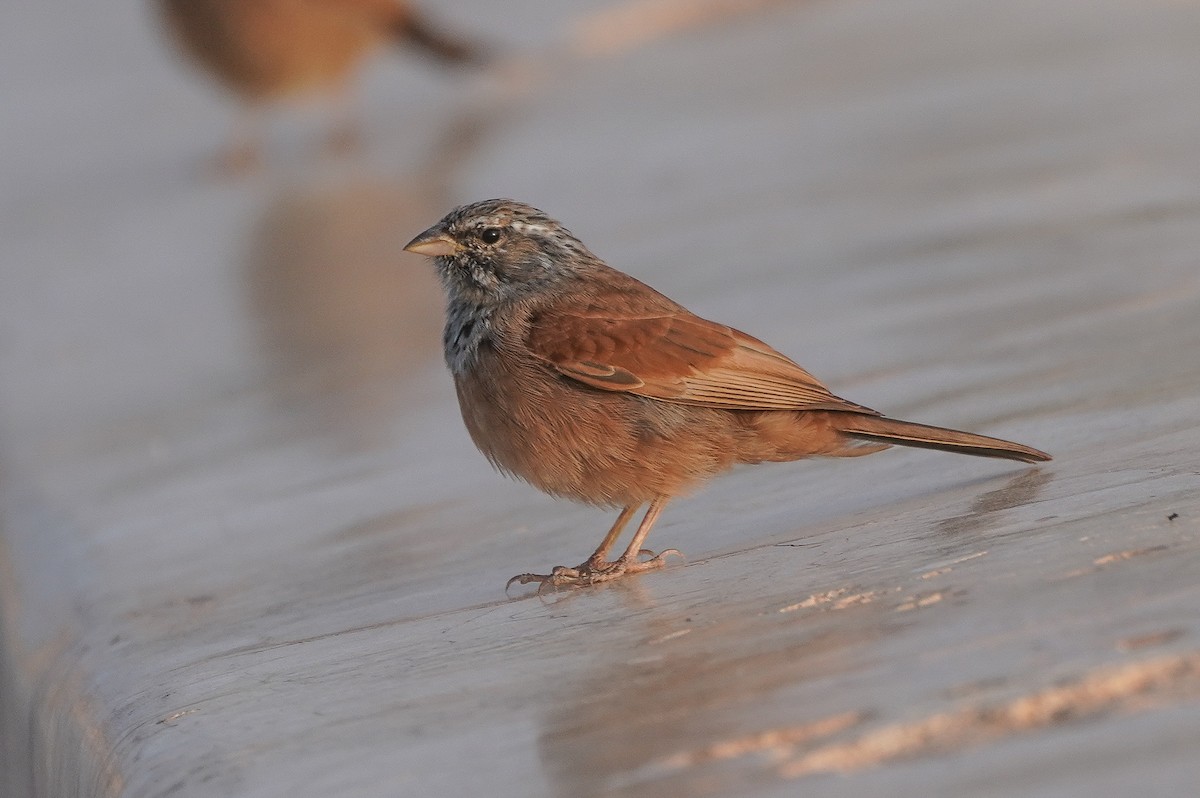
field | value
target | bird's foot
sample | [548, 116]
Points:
[594, 571]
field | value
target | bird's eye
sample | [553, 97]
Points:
[490, 235]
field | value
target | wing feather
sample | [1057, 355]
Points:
[675, 356]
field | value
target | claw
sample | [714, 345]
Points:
[591, 573]
[559, 576]
[662, 555]
[520, 579]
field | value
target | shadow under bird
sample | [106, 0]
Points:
[593, 386]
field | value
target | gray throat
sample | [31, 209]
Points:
[468, 326]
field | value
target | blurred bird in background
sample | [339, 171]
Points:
[266, 51]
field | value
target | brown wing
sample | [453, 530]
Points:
[678, 357]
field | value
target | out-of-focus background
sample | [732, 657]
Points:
[246, 547]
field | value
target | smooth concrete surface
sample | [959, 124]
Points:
[247, 549]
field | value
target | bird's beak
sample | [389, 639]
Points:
[432, 242]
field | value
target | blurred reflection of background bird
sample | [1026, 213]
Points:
[269, 50]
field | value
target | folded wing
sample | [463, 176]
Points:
[676, 356]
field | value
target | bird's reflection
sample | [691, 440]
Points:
[345, 318]
[693, 707]
[650, 720]
[1021, 489]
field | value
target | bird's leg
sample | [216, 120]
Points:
[629, 562]
[599, 557]
[562, 575]
[596, 568]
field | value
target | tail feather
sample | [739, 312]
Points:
[906, 433]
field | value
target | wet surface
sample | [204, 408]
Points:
[247, 548]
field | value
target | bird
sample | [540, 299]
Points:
[592, 386]
[265, 51]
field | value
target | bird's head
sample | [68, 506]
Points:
[500, 250]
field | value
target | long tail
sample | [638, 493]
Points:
[906, 433]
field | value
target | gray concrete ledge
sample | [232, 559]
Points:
[246, 548]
